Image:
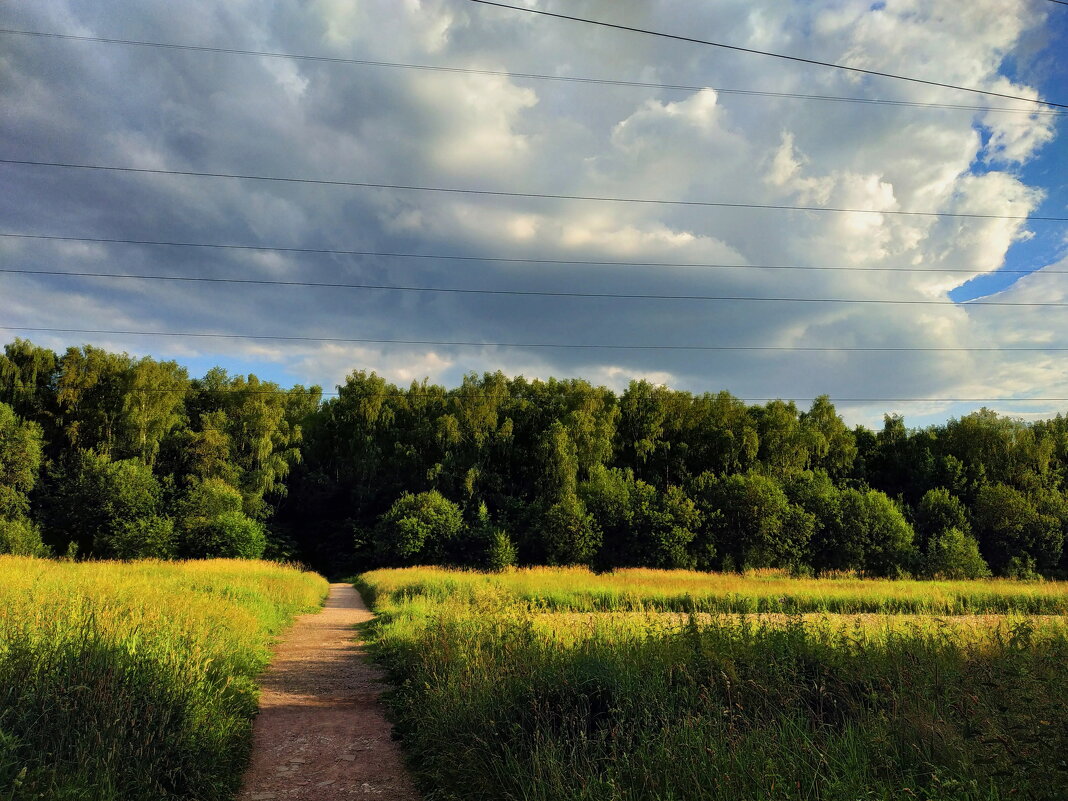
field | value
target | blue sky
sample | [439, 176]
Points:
[148, 107]
[1048, 170]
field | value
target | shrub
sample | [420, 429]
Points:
[144, 538]
[500, 551]
[569, 532]
[940, 511]
[90, 498]
[751, 521]
[230, 535]
[1013, 532]
[953, 554]
[417, 527]
[883, 538]
[210, 498]
[21, 537]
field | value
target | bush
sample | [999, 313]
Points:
[954, 555]
[751, 522]
[21, 537]
[208, 499]
[940, 511]
[570, 534]
[230, 535]
[417, 527]
[90, 498]
[1013, 533]
[1022, 568]
[484, 545]
[500, 552]
[882, 537]
[144, 538]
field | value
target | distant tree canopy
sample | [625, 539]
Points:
[108, 455]
[105, 455]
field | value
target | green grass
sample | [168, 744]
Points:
[135, 680]
[495, 699]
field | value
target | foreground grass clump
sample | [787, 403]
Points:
[579, 590]
[135, 680]
[495, 699]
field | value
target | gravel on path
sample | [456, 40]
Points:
[321, 733]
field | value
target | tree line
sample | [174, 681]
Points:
[109, 456]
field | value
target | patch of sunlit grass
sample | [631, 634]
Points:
[135, 680]
[559, 684]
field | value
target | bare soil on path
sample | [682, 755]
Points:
[321, 733]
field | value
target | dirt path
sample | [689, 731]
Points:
[321, 733]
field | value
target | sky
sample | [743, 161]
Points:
[73, 101]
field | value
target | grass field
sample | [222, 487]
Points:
[135, 680]
[497, 698]
[579, 590]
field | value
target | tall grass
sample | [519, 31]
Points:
[495, 699]
[577, 589]
[135, 680]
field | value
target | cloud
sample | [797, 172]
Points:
[223, 113]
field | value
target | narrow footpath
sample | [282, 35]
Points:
[321, 733]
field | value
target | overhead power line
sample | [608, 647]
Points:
[770, 54]
[457, 393]
[512, 260]
[529, 75]
[502, 193]
[559, 345]
[523, 292]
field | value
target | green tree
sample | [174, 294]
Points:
[152, 406]
[21, 537]
[559, 458]
[487, 546]
[722, 436]
[939, 511]
[231, 535]
[90, 394]
[261, 426]
[830, 547]
[418, 529]
[831, 445]
[1009, 527]
[20, 462]
[953, 554]
[151, 537]
[784, 444]
[643, 417]
[879, 538]
[208, 498]
[89, 498]
[27, 380]
[753, 522]
[569, 534]
[641, 526]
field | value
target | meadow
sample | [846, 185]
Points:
[135, 680]
[644, 590]
[505, 687]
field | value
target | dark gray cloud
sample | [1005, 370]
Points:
[157, 108]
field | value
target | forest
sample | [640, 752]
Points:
[104, 455]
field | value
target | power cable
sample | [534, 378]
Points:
[457, 393]
[528, 75]
[510, 260]
[502, 193]
[753, 51]
[529, 292]
[560, 345]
